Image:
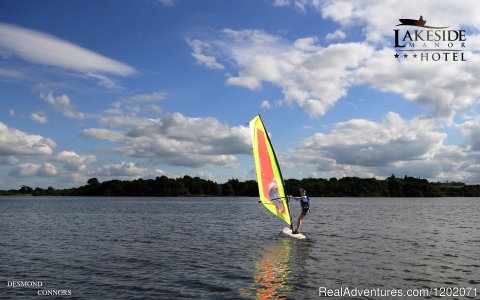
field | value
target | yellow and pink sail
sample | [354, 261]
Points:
[270, 182]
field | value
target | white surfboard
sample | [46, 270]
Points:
[288, 232]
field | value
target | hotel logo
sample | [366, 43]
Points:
[415, 41]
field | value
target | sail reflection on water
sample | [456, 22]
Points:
[272, 271]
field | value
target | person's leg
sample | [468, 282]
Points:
[299, 222]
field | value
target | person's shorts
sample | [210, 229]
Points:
[305, 211]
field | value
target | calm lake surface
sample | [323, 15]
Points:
[229, 248]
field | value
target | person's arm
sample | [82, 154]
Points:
[295, 198]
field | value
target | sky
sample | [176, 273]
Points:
[146, 88]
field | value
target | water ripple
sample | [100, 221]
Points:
[229, 248]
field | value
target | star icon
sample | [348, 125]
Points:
[415, 55]
[396, 55]
[405, 55]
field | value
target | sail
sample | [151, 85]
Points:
[270, 181]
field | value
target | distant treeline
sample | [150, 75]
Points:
[316, 187]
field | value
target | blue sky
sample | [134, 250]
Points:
[130, 89]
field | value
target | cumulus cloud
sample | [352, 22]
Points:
[122, 169]
[135, 104]
[378, 17]
[154, 109]
[370, 144]
[39, 117]
[309, 75]
[450, 163]
[441, 90]
[471, 131]
[208, 60]
[266, 104]
[103, 134]
[159, 173]
[47, 169]
[413, 147]
[31, 169]
[249, 82]
[336, 35]
[316, 77]
[63, 105]
[25, 170]
[75, 162]
[52, 51]
[300, 5]
[18, 143]
[174, 139]
[8, 160]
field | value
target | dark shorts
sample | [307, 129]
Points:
[305, 211]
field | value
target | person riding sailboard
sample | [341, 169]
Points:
[305, 203]
[271, 187]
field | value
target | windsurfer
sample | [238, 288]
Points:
[305, 203]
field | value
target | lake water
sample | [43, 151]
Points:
[229, 248]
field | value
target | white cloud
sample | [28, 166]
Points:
[18, 143]
[154, 97]
[155, 109]
[450, 163]
[63, 105]
[249, 82]
[281, 2]
[322, 79]
[25, 170]
[11, 113]
[202, 59]
[103, 80]
[366, 143]
[160, 173]
[32, 169]
[266, 104]
[413, 147]
[11, 74]
[442, 90]
[315, 77]
[309, 75]
[103, 134]
[47, 169]
[174, 139]
[75, 162]
[135, 104]
[336, 35]
[52, 51]
[300, 5]
[471, 130]
[39, 117]
[122, 169]
[169, 3]
[378, 17]
[8, 160]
